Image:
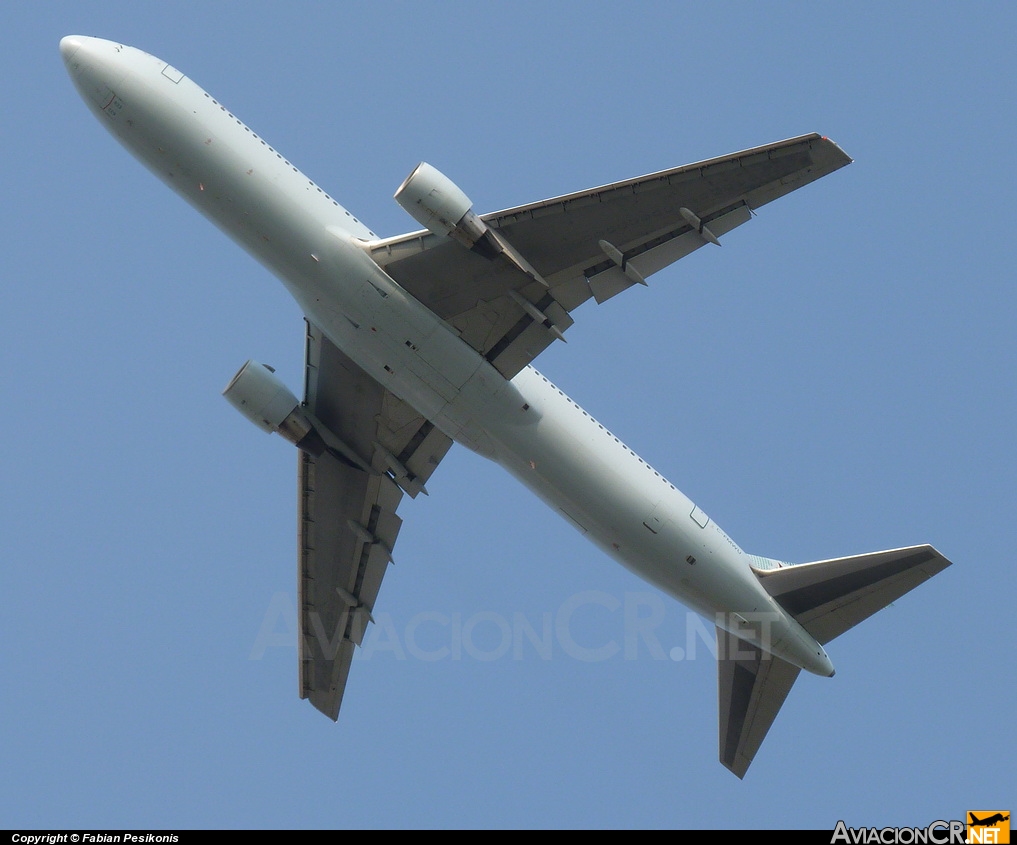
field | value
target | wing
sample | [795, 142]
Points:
[594, 244]
[751, 688]
[830, 596]
[347, 510]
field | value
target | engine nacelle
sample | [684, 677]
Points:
[260, 396]
[435, 201]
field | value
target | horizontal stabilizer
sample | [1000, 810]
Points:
[830, 596]
[751, 688]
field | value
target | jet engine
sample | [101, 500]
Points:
[435, 201]
[260, 396]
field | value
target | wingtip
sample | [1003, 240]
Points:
[826, 139]
[738, 767]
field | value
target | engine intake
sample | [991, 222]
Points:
[261, 396]
[436, 202]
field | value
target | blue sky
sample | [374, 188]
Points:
[839, 378]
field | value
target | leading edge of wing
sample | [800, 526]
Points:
[827, 156]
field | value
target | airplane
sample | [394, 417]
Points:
[988, 821]
[420, 340]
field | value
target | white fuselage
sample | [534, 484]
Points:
[527, 425]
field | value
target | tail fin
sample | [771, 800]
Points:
[827, 598]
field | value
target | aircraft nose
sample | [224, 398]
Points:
[94, 66]
[69, 45]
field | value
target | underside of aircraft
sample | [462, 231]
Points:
[424, 339]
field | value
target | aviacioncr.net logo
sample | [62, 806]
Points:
[938, 833]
